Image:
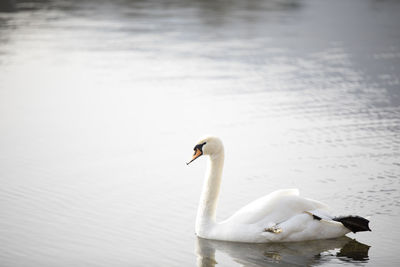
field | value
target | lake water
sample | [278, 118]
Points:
[102, 102]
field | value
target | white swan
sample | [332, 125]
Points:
[278, 217]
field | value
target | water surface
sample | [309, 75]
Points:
[101, 103]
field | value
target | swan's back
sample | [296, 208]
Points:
[275, 207]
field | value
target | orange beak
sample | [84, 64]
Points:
[197, 153]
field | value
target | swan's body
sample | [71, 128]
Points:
[278, 217]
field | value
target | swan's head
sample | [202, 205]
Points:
[210, 145]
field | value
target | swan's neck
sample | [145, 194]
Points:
[206, 213]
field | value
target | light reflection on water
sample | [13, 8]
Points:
[101, 103]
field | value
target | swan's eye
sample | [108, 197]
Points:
[199, 147]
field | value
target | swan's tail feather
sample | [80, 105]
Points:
[354, 223]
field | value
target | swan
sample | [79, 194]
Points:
[281, 216]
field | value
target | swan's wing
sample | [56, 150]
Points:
[275, 207]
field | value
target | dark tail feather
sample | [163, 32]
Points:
[354, 223]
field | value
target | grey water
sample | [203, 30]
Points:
[102, 102]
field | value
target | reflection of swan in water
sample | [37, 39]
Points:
[304, 253]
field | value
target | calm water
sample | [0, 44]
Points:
[101, 103]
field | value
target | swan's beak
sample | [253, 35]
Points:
[197, 153]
